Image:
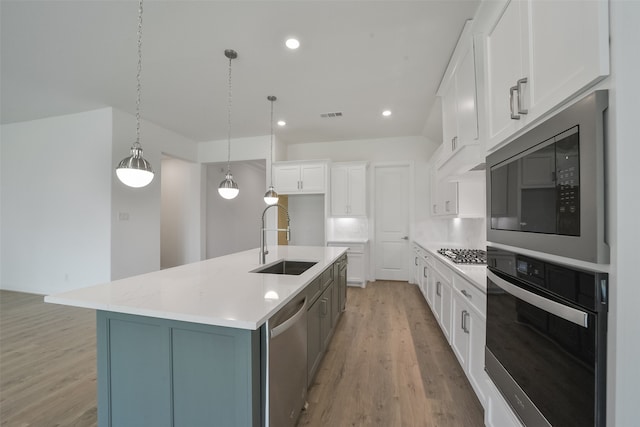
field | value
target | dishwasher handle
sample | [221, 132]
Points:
[281, 328]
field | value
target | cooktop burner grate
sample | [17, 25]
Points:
[465, 256]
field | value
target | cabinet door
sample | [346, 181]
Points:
[569, 50]
[429, 285]
[342, 280]
[476, 325]
[448, 197]
[433, 186]
[449, 120]
[286, 178]
[416, 265]
[445, 315]
[312, 177]
[335, 303]
[356, 268]
[326, 300]
[357, 188]
[504, 68]
[460, 331]
[339, 190]
[314, 341]
[467, 112]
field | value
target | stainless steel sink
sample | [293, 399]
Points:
[294, 268]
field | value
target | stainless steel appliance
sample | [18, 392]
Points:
[546, 339]
[465, 256]
[287, 361]
[545, 189]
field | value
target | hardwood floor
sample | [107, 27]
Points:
[47, 363]
[388, 365]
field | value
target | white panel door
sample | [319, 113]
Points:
[392, 222]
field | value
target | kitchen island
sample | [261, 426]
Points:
[186, 346]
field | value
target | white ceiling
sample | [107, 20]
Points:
[357, 57]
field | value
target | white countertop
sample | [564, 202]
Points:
[476, 274]
[361, 241]
[220, 291]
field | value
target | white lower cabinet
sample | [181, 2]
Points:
[468, 341]
[357, 256]
[460, 309]
[442, 303]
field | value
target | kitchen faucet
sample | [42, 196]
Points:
[263, 232]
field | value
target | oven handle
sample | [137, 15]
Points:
[570, 314]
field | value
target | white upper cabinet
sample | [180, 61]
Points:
[459, 101]
[300, 177]
[540, 54]
[466, 101]
[349, 189]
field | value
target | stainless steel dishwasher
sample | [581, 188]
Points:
[287, 361]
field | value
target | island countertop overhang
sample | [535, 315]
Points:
[219, 291]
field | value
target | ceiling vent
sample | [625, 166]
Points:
[331, 115]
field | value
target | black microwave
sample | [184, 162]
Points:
[546, 189]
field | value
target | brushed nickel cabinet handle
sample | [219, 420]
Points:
[511, 90]
[466, 294]
[519, 84]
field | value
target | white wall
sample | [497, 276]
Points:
[234, 225]
[624, 206]
[56, 197]
[135, 241]
[373, 150]
[241, 149]
[180, 216]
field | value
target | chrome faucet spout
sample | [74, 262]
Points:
[263, 231]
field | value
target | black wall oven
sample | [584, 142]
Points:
[546, 339]
[545, 189]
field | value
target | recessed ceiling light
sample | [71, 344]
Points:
[281, 123]
[386, 113]
[292, 43]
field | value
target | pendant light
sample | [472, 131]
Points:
[228, 188]
[271, 197]
[135, 171]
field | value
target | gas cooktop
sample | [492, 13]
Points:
[465, 256]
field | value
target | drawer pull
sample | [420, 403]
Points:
[466, 294]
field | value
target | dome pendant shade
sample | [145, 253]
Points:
[228, 188]
[271, 197]
[134, 171]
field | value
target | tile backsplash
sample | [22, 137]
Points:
[461, 232]
[347, 228]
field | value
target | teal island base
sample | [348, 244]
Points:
[158, 372]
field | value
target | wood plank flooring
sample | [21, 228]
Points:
[388, 365]
[47, 363]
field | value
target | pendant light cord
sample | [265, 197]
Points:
[139, 85]
[271, 146]
[229, 122]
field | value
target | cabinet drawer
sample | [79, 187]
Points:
[326, 278]
[355, 248]
[474, 296]
[313, 290]
[444, 270]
